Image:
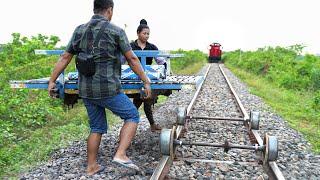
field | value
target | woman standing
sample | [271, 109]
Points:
[142, 43]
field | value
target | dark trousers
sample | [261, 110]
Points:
[147, 106]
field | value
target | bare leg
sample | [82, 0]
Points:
[127, 133]
[92, 150]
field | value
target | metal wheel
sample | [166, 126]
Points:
[254, 120]
[167, 137]
[271, 148]
[165, 141]
[181, 116]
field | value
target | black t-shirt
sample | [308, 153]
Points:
[149, 46]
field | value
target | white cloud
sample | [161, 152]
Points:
[174, 24]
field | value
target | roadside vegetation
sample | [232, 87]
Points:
[191, 63]
[32, 125]
[287, 81]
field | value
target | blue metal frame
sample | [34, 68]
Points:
[147, 53]
[142, 54]
[63, 85]
[73, 85]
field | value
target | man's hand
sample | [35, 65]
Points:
[52, 90]
[63, 62]
[147, 90]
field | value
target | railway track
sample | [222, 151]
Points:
[212, 117]
[215, 131]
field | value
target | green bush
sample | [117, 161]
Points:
[316, 101]
[189, 64]
[281, 66]
[288, 81]
[21, 110]
[32, 124]
[21, 49]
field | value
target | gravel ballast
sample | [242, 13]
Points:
[295, 158]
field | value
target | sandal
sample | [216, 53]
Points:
[127, 164]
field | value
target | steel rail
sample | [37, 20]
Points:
[179, 130]
[271, 168]
[257, 137]
[166, 161]
[162, 169]
[198, 91]
[274, 171]
[244, 112]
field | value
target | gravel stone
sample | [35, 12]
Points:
[296, 161]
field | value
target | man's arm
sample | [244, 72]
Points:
[136, 67]
[63, 62]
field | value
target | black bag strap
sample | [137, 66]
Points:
[99, 35]
[97, 39]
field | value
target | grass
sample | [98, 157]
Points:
[193, 68]
[161, 99]
[42, 142]
[294, 106]
[60, 132]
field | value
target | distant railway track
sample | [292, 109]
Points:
[216, 118]
[212, 116]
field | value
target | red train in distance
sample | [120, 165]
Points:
[215, 53]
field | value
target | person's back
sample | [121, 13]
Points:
[101, 88]
[106, 81]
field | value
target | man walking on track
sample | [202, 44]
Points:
[98, 46]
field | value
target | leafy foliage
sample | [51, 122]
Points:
[316, 102]
[21, 50]
[23, 111]
[191, 63]
[33, 125]
[281, 66]
[288, 81]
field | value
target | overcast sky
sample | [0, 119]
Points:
[186, 24]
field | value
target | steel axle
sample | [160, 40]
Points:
[169, 142]
[227, 146]
[253, 121]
